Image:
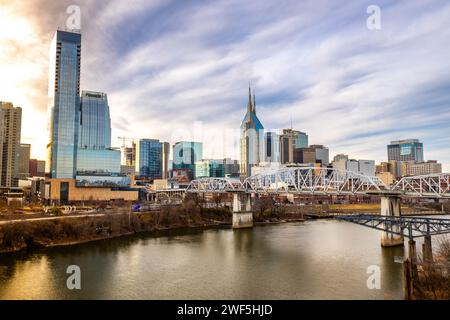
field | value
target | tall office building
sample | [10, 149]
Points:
[186, 154]
[129, 155]
[64, 104]
[209, 168]
[165, 160]
[37, 168]
[94, 154]
[252, 139]
[10, 130]
[272, 147]
[24, 161]
[289, 141]
[149, 154]
[406, 150]
[322, 154]
[95, 121]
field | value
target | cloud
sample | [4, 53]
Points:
[168, 64]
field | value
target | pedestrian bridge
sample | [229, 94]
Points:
[324, 181]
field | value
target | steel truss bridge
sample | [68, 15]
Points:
[324, 181]
[411, 227]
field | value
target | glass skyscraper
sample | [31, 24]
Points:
[406, 150]
[95, 121]
[64, 104]
[149, 158]
[186, 154]
[252, 139]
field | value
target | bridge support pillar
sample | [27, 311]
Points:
[390, 207]
[242, 211]
[427, 250]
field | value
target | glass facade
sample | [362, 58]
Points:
[64, 104]
[95, 121]
[210, 168]
[186, 154]
[102, 181]
[252, 139]
[149, 158]
[93, 161]
[406, 150]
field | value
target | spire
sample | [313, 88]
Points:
[254, 101]
[249, 104]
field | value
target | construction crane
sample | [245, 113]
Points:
[125, 139]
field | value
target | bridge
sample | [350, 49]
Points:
[324, 181]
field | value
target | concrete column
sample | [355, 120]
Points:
[242, 211]
[390, 207]
[248, 202]
[427, 251]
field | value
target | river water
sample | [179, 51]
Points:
[320, 259]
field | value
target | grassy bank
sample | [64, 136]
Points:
[35, 234]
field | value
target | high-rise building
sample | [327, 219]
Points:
[165, 161]
[367, 167]
[232, 168]
[272, 147]
[340, 162]
[252, 139]
[129, 155]
[95, 121]
[186, 154]
[95, 155]
[10, 128]
[149, 155]
[209, 168]
[289, 141]
[364, 167]
[406, 150]
[37, 168]
[322, 154]
[304, 156]
[64, 104]
[421, 168]
[24, 161]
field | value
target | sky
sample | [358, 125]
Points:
[180, 70]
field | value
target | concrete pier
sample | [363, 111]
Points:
[390, 207]
[427, 251]
[242, 211]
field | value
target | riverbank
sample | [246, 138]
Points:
[29, 234]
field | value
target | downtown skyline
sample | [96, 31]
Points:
[350, 88]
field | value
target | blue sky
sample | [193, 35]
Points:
[180, 69]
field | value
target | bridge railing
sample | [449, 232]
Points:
[325, 181]
[301, 180]
[432, 185]
[307, 180]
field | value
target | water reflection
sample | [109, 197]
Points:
[313, 260]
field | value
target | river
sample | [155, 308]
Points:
[317, 259]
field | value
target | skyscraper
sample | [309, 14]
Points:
[24, 161]
[186, 154]
[94, 154]
[289, 141]
[272, 147]
[95, 121]
[64, 104]
[149, 154]
[406, 150]
[10, 130]
[252, 139]
[165, 160]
